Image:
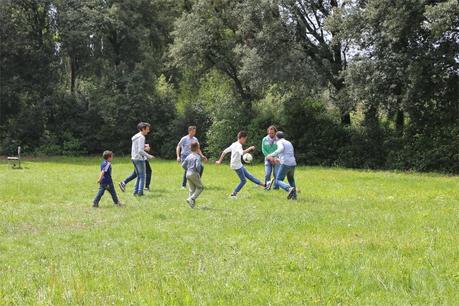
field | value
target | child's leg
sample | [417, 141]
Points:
[192, 186]
[148, 176]
[291, 177]
[196, 179]
[202, 171]
[278, 182]
[141, 177]
[249, 176]
[112, 191]
[130, 177]
[140, 170]
[240, 173]
[99, 195]
[275, 171]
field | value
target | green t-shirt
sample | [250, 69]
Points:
[268, 145]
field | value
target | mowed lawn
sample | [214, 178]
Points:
[353, 237]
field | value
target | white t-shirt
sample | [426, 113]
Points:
[236, 155]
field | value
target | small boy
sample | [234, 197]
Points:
[236, 164]
[105, 180]
[193, 166]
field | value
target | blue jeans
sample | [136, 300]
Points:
[270, 168]
[101, 192]
[139, 167]
[243, 176]
[134, 175]
[283, 171]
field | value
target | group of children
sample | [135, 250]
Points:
[278, 152]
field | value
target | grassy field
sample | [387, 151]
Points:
[353, 237]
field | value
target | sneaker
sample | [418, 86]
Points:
[183, 187]
[191, 202]
[122, 186]
[233, 196]
[147, 189]
[269, 184]
[119, 204]
[95, 205]
[291, 193]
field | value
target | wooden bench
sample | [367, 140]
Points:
[15, 160]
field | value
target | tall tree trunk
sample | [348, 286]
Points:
[73, 73]
[400, 121]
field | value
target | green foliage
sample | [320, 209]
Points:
[77, 76]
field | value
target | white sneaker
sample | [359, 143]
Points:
[191, 202]
[233, 196]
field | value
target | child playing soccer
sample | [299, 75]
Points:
[236, 164]
[286, 154]
[193, 165]
[105, 180]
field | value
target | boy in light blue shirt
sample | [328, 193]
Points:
[193, 167]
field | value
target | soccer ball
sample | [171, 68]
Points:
[247, 157]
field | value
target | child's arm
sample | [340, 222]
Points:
[222, 156]
[101, 175]
[202, 155]
[142, 149]
[198, 165]
[184, 164]
[280, 148]
[248, 149]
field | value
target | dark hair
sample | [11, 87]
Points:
[191, 127]
[194, 146]
[272, 127]
[241, 134]
[142, 125]
[107, 154]
[280, 135]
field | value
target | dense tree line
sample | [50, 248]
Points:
[356, 83]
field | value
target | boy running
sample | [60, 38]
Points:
[236, 164]
[193, 166]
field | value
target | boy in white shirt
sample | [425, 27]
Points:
[236, 154]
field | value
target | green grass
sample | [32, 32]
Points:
[353, 237]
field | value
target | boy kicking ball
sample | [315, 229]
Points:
[236, 164]
[193, 166]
